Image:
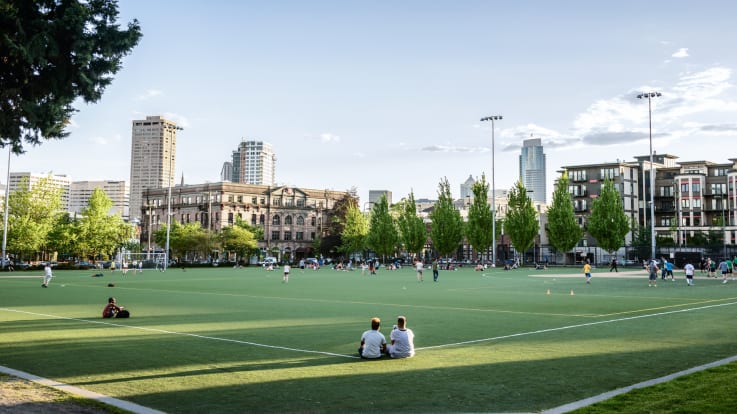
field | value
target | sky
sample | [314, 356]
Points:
[388, 95]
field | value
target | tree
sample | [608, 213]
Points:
[562, 229]
[97, 231]
[238, 239]
[607, 223]
[447, 224]
[332, 240]
[51, 53]
[480, 217]
[382, 236]
[184, 238]
[32, 212]
[411, 228]
[521, 222]
[355, 230]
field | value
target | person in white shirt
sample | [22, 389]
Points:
[47, 276]
[689, 269]
[286, 273]
[402, 340]
[419, 266]
[373, 343]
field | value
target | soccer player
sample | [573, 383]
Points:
[48, 275]
[689, 269]
[587, 271]
[286, 273]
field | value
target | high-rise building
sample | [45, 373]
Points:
[29, 180]
[153, 158]
[254, 163]
[226, 173]
[375, 196]
[532, 169]
[467, 188]
[117, 191]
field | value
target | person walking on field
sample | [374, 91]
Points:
[587, 271]
[48, 275]
[652, 269]
[613, 266]
[435, 272]
[723, 268]
[285, 279]
[689, 269]
[419, 266]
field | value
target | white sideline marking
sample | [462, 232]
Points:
[126, 405]
[214, 338]
[561, 328]
[607, 395]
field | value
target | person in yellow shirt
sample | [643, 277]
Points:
[587, 271]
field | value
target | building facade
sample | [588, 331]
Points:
[117, 191]
[62, 182]
[375, 195]
[153, 158]
[291, 218]
[532, 169]
[254, 162]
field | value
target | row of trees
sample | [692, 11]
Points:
[388, 231]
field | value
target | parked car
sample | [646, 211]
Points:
[20, 265]
[311, 261]
[269, 260]
[84, 265]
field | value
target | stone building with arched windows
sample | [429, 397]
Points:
[291, 217]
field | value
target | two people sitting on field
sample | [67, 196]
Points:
[374, 345]
[112, 310]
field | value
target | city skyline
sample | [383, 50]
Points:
[346, 101]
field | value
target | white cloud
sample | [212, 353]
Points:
[100, 140]
[454, 148]
[681, 53]
[180, 120]
[151, 93]
[329, 138]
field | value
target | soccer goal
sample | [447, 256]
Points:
[136, 262]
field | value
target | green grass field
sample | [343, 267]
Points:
[239, 340]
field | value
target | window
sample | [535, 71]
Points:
[287, 221]
[262, 201]
[312, 236]
[254, 200]
[685, 203]
[299, 236]
[262, 220]
[230, 218]
[276, 220]
[276, 201]
[666, 221]
[577, 175]
[253, 219]
[275, 235]
[313, 220]
[684, 188]
[609, 173]
[696, 203]
[287, 235]
[696, 188]
[300, 202]
[289, 202]
[300, 221]
[240, 199]
[718, 189]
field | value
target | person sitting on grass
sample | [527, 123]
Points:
[373, 343]
[402, 340]
[112, 310]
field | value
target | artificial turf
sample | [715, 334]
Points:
[240, 340]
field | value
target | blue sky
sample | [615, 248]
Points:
[388, 94]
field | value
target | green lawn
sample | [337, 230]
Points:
[239, 340]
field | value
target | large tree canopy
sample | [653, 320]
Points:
[51, 53]
[447, 224]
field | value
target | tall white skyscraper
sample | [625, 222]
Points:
[254, 163]
[532, 169]
[153, 158]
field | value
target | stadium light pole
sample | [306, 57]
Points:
[5, 214]
[650, 96]
[493, 118]
[168, 197]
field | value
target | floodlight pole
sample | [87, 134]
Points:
[493, 118]
[649, 96]
[5, 213]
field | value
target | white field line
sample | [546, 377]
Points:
[581, 325]
[126, 405]
[214, 338]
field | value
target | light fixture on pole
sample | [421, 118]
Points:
[650, 96]
[5, 261]
[493, 118]
[170, 178]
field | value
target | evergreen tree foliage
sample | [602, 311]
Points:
[480, 217]
[521, 223]
[607, 223]
[355, 231]
[447, 224]
[411, 227]
[382, 237]
[51, 53]
[562, 229]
